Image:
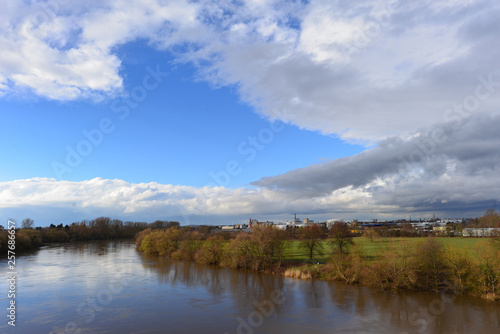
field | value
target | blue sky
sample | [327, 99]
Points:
[213, 112]
[183, 133]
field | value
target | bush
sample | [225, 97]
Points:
[495, 243]
[140, 237]
[431, 264]
[461, 271]
[302, 272]
[212, 251]
[345, 267]
[189, 246]
[488, 273]
[259, 250]
[395, 271]
[4, 240]
[55, 235]
[242, 253]
[161, 242]
[27, 239]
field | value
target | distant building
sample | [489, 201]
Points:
[280, 226]
[308, 221]
[481, 232]
[330, 222]
[255, 222]
[296, 222]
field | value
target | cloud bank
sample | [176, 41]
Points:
[362, 71]
[449, 170]
[418, 82]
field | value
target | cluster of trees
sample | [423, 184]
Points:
[339, 239]
[491, 218]
[28, 237]
[259, 250]
[264, 248]
[428, 265]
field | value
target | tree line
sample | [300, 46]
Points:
[264, 248]
[28, 236]
[490, 218]
[427, 265]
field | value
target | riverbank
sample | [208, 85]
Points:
[101, 284]
[102, 228]
[414, 264]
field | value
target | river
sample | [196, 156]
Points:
[109, 287]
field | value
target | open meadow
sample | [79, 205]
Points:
[372, 250]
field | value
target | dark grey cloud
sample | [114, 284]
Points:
[447, 166]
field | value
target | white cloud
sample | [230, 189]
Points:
[453, 180]
[417, 62]
[118, 198]
[63, 50]
[363, 71]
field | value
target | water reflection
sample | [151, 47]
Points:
[319, 303]
[162, 295]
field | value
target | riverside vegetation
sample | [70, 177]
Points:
[102, 228]
[379, 259]
[456, 265]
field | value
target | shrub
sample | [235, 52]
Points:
[258, 250]
[212, 251]
[395, 271]
[4, 240]
[345, 267]
[242, 253]
[301, 272]
[141, 235]
[189, 246]
[461, 271]
[431, 264]
[55, 235]
[161, 242]
[27, 239]
[488, 273]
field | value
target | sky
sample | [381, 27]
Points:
[214, 112]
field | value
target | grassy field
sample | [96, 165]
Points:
[372, 250]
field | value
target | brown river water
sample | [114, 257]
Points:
[109, 287]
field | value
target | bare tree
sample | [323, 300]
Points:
[431, 263]
[28, 223]
[489, 219]
[370, 233]
[341, 237]
[310, 240]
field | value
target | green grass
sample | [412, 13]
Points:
[371, 251]
[295, 253]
